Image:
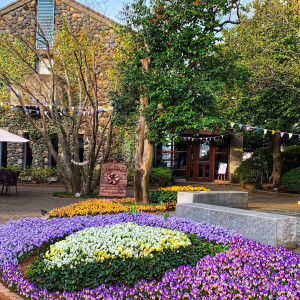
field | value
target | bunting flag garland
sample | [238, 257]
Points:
[257, 129]
[208, 138]
[60, 109]
[45, 104]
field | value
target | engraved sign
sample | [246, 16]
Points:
[113, 180]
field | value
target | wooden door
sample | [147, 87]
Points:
[200, 162]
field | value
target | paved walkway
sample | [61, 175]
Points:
[34, 198]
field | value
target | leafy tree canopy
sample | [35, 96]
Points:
[180, 40]
[267, 45]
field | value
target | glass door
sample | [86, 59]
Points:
[200, 161]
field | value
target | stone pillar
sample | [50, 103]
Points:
[236, 155]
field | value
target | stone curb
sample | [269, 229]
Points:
[6, 294]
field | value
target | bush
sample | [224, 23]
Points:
[256, 169]
[130, 176]
[163, 196]
[291, 180]
[169, 194]
[118, 270]
[290, 158]
[160, 176]
[248, 171]
[40, 174]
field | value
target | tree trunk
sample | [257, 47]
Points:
[143, 162]
[144, 150]
[276, 174]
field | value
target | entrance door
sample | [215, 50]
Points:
[200, 164]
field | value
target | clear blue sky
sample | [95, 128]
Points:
[110, 8]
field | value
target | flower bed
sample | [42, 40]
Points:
[106, 206]
[169, 194]
[248, 270]
[119, 253]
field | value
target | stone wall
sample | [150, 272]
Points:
[23, 15]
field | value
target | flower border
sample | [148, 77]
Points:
[248, 270]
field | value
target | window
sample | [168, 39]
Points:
[45, 18]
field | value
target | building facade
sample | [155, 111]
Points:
[198, 158]
[50, 15]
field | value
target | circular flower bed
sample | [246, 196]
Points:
[248, 270]
[119, 253]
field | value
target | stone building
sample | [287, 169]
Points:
[50, 15]
[195, 158]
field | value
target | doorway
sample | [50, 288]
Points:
[200, 161]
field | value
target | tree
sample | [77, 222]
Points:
[267, 45]
[165, 72]
[68, 101]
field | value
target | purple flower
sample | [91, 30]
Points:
[248, 270]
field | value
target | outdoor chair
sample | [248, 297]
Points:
[3, 177]
[11, 180]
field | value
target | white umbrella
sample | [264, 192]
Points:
[6, 136]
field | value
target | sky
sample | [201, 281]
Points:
[109, 8]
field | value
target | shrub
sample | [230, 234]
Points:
[58, 269]
[256, 169]
[130, 176]
[40, 174]
[169, 194]
[291, 180]
[248, 171]
[160, 176]
[290, 158]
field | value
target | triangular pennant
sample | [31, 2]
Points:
[290, 135]
[281, 134]
[231, 124]
[273, 132]
[9, 88]
[257, 129]
[37, 111]
[248, 128]
[240, 125]
[265, 131]
[30, 111]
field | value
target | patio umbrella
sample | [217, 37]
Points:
[6, 136]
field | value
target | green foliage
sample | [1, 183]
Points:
[290, 157]
[40, 174]
[291, 180]
[163, 196]
[133, 208]
[180, 41]
[256, 169]
[118, 270]
[130, 176]
[248, 171]
[160, 176]
[267, 44]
